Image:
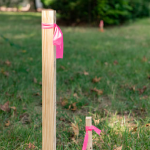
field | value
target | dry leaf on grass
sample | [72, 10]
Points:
[96, 122]
[64, 102]
[69, 107]
[31, 146]
[15, 110]
[74, 140]
[143, 110]
[141, 91]
[99, 92]
[106, 63]
[7, 124]
[75, 129]
[8, 63]
[118, 148]
[5, 107]
[62, 119]
[34, 80]
[134, 129]
[86, 73]
[7, 94]
[148, 125]
[24, 51]
[95, 80]
[144, 97]
[25, 119]
[62, 67]
[74, 106]
[36, 94]
[75, 95]
[133, 88]
[144, 59]
[6, 73]
[115, 62]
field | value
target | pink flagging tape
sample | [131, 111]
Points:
[57, 39]
[101, 24]
[89, 128]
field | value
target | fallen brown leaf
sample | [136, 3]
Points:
[74, 140]
[144, 59]
[95, 80]
[8, 63]
[64, 102]
[62, 119]
[96, 122]
[148, 125]
[115, 62]
[141, 91]
[133, 88]
[62, 67]
[106, 63]
[7, 94]
[24, 51]
[143, 110]
[75, 95]
[31, 146]
[24, 114]
[15, 110]
[99, 92]
[106, 111]
[36, 94]
[25, 119]
[34, 80]
[75, 128]
[6, 73]
[7, 124]
[86, 73]
[19, 97]
[134, 129]
[74, 106]
[69, 107]
[5, 107]
[144, 97]
[118, 148]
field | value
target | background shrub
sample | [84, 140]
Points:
[111, 11]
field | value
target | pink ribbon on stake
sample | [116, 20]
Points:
[101, 24]
[89, 128]
[57, 39]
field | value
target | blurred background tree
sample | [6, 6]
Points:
[17, 3]
[92, 11]
[10, 3]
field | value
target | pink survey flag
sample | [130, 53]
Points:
[101, 25]
[57, 39]
[89, 128]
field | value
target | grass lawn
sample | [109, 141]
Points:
[118, 99]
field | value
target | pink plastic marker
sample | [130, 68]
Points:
[101, 25]
[57, 39]
[89, 128]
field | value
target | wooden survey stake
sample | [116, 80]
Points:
[89, 123]
[48, 83]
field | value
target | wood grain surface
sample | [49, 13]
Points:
[89, 123]
[48, 83]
